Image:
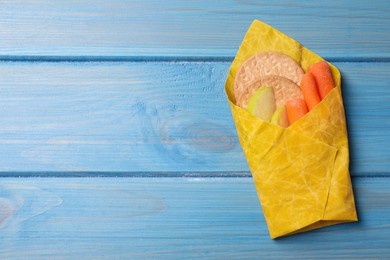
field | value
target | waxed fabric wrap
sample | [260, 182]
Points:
[301, 173]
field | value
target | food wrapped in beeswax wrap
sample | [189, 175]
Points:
[301, 172]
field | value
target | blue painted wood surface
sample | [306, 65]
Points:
[129, 88]
[335, 29]
[156, 117]
[173, 218]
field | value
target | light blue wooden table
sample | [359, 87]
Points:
[116, 140]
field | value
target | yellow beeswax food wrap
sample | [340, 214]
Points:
[301, 172]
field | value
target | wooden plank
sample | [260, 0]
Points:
[335, 29]
[164, 218]
[156, 117]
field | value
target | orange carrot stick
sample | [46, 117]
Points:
[323, 75]
[296, 108]
[309, 90]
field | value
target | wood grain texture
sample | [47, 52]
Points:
[135, 88]
[334, 29]
[165, 218]
[156, 117]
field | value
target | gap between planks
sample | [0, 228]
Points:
[32, 58]
[152, 174]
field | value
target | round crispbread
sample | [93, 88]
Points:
[265, 64]
[284, 89]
